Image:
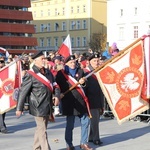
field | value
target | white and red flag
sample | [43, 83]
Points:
[65, 49]
[10, 80]
[122, 83]
[4, 51]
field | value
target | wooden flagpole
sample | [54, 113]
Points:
[108, 61]
[12, 62]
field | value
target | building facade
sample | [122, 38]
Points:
[55, 19]
[127, 20]
[15, 28]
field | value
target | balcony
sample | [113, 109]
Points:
[17, 28]
[19, 3]
[15, 15]
[18, 41]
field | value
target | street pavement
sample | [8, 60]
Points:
[131, 135]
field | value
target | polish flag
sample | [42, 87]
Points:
[65, 49]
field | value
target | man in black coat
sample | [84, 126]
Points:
[96, 99]
[73, 102]
[39, 85]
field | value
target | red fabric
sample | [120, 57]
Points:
[83, 63]
[8, 87]
[65, 48]
[122, 82]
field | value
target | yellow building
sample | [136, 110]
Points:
[55, 19]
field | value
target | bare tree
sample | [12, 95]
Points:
[97, 42]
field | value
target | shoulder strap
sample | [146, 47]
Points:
[42, 79]
[86, 70]
[72, 81]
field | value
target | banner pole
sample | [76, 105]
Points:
[108, 61]
[12, 62]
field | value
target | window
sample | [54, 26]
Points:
[41, 13]
[135, 11]
[63, 11]
[78, 41]
[56, 26]
[41, 42]
[121, 33]
[48, 42]
[25, 9]
[48, 12]
[121, 12]
[71, 10]
[34, 13]
[56, 12]
[35, 28]
[56, 41]
[84, 24]
[84, 8]
[78, 9]
[42, 28]
[48, 27]
[135, 31]
[63, 26]
[78, 24]
[84, 41]
[63, 39]
[72, 42]
[73, 25]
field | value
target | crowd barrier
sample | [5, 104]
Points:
[145, 116]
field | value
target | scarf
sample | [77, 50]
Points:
[70, 71]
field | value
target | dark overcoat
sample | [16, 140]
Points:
[40, 96]
[94, 91]
[72, 102]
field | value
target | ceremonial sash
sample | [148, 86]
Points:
[42, 79]
[87, 70]
[73, 81]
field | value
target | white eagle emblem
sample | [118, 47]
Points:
[129, 82]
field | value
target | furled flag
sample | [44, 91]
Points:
[65, 49]
[122, 81]
[10, 80]
[4, 51]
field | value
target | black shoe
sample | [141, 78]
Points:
[97, 142]
[4, 131]
[71, 148]
[90, 140]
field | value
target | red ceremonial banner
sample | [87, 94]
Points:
[122, 83]
[10, 80]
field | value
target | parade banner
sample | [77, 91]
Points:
[10, 80]
[122, 83]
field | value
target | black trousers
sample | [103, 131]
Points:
[2, 122]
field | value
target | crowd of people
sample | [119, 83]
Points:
[47, 83]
